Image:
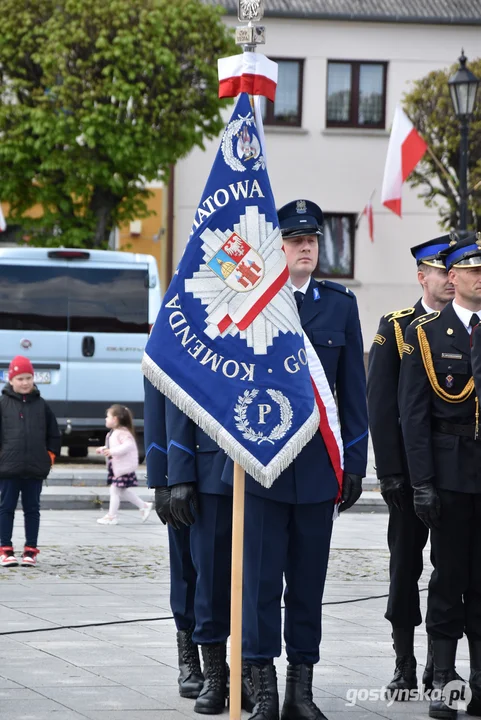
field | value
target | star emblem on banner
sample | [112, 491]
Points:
[226, 304]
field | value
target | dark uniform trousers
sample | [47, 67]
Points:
[194, 457]
[407, 535]
[288, 526]
[294, 540]
[439, 455]
[183, 576]
[454, 600]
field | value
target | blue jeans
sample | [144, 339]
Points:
[9, 493]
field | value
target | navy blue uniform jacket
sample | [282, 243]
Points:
[330, 318]
[155, 436]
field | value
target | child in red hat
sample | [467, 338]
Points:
[29, 442]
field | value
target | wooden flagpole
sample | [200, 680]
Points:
[235, 692]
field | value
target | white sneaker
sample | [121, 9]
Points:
[145, 512]
[107, 520]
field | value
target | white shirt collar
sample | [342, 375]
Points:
[302, 289]
[464, 315]
[426, 307]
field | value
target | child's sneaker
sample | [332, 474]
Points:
[107, 520]
[145, 512]
[7, 557]
[29, 557]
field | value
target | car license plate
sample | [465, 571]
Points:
[42, 377]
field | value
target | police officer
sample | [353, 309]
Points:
[440, 423]
[288, 527]
[198, 508]
[182, 572]
[407, 534]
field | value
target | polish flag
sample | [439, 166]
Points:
[248, 72]
[368, 212]
[3, 224]
[405, 150]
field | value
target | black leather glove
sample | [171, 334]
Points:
[351, 491]
[392, 490]
[162, 506]
[183, 503]
[427, 505]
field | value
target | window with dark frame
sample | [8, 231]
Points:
[336, 247]
[356, 94]
[287, 108]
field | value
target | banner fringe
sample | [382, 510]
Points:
[263, 474]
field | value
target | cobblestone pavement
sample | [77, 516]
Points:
[88, 634]
[135, 562]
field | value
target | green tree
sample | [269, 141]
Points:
[98, 97]
[429, 107]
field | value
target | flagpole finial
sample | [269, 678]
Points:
[250, 11]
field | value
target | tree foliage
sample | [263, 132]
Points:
[430, 108]
[97, 98]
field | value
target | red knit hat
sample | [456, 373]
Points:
[20, 366]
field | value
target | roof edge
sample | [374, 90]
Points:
[345, 17]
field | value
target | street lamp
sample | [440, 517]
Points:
[463, 86]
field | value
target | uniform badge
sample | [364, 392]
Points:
[379, 339]
[301, 207]
[408, 349]
[316, 293]
[449, 382]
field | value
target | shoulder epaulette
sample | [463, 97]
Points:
[423, 319]
[336, 286]
[397, 314]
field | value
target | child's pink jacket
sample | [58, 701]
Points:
[123, 451]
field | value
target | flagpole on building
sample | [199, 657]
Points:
[247, 37]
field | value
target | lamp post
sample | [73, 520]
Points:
[463, 86]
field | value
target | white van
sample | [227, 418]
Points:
[83, 318]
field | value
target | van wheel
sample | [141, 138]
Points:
[78, 451]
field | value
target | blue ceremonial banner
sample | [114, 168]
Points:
[227, 347]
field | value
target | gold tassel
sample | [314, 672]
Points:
[431, 373]
[398, 333]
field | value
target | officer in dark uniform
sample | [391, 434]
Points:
[182, 572]
[198, 507]
[440, 423]
[288, 527]
[407, 534]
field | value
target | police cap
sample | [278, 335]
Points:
[427, 253]
[463, 251]
[300, 217]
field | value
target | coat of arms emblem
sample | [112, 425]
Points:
[238, 264]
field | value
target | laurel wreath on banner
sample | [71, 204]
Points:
[243, 425]
[227, 145]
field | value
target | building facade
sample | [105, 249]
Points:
[340, 78]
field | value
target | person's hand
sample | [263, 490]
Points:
[427, 505]
[52, 457]
[162, 507]
[392, 490]
[183, 503]
[351, 491]
[106, 451]
[100, 450]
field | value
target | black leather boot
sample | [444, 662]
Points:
[444, 657]
[428, 670]
[212, 697]
[474, 706]
[404, 678]
[190, 678]
[248, 691]
[298, 703]
[265, 688]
